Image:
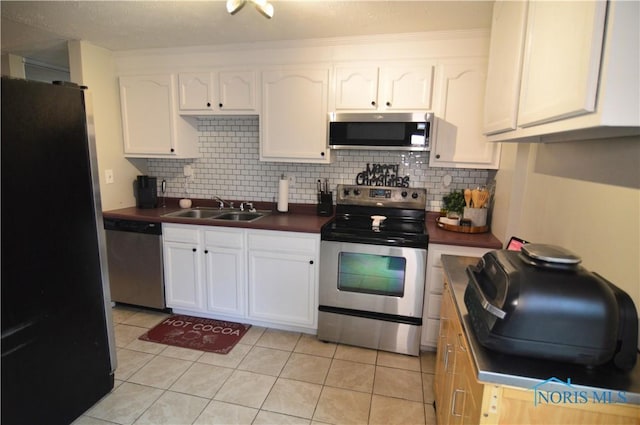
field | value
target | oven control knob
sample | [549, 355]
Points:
[404, 194]
[346, 192]
[414, 195]
[356, 192]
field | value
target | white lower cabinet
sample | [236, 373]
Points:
[204, 269]
[259, 276]
[183, 267]
[434, 288]
[224, 270]
[283, 277]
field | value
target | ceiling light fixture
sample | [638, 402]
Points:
[263, 6]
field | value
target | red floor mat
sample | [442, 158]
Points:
[214, 336]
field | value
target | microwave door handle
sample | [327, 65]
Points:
[483, 300]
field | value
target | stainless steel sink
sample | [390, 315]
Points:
[239, 216]
[194, 213]
[217, 214]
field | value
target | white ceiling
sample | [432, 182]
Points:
[40, 29]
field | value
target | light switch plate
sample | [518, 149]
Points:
[108, 176]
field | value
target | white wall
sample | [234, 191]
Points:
[583, 196]
[94, 67]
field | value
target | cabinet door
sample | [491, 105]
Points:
[406, 87]
[224, 271]
[183, 282]
[505, 66]
[196, 91]
[237, 91]
[356, 88]
[147, 114]
[459, 141]
[561, 61]
[294, 115]
[445, 361]
[282, 288]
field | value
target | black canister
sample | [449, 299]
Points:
[146, 192]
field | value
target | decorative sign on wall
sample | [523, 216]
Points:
[382, 175]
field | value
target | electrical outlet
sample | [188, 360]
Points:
[292, 180]
[188, 171]
[108, 176]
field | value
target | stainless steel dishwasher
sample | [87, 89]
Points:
[134, 255]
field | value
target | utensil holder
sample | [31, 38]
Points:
[325, 204]
[478, 216]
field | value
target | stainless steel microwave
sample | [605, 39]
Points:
[384, 131]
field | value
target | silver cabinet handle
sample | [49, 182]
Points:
[461, 343]
[453, 402]
[446, 357]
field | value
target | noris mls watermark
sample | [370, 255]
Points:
[566, 393]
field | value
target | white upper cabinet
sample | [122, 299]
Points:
[505, 66]
[579, 75]
[232, 92]
[459, 105]
[150, 123]
[561, 60]
[293, 123]
[402, 86]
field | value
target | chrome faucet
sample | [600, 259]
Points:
[222, 201]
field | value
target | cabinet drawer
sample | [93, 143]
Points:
[282, 242]
[431, 332]
[227, 238]
[436, 257]
[434, 306]
[436, 280]
[178, 233]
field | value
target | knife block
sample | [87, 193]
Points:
[325, 204]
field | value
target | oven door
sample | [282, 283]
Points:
[372, 278]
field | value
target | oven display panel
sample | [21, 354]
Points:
[371, 274]
[380, 193]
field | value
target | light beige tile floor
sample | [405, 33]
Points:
[270, 377]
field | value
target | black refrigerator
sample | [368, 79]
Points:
[58, 355]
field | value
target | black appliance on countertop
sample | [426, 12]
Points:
[146, 191]
[58, 350]
[541, 303]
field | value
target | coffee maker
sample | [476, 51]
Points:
[146, 192]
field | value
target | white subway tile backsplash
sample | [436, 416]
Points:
[230, 168]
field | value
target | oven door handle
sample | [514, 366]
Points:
[483, 299]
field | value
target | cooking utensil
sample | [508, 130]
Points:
[483, 196]
[467, 197]
[475, 194]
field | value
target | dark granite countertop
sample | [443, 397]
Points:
[300, 218]
[525, 372]
[446, 237]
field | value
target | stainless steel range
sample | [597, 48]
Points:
[373, 257]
